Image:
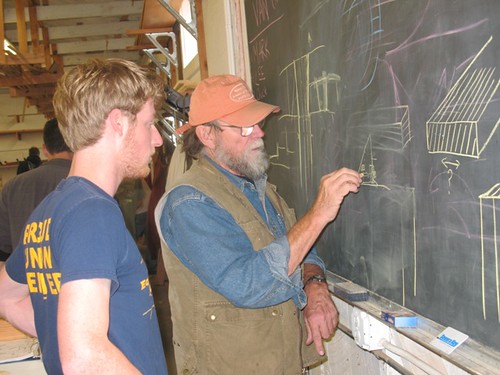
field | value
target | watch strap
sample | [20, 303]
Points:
[315, 278]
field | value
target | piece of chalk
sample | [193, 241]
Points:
[399, 318]
[350, 291]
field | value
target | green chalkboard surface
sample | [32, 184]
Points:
[407, 92]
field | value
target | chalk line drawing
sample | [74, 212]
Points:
[320, 87]
[308, 96]
[453, 127]
[450, 167]
[367, 166]
[489, 202]
[279, 150]
[388, 127]
[385, 129]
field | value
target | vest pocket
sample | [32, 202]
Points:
[244, 341]
[185, 358]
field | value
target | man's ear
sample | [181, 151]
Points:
[118, 121]
[206, 135]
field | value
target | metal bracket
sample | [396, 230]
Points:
[191, 26]
[171, 56]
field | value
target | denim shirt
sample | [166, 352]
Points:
[209, 242]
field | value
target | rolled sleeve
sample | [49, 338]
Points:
[277, 255]
[313, 258]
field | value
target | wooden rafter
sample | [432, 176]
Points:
[202, 49]
[22, 37]
[2, 33]
[29, 79]
[150, 30]
[32, 91]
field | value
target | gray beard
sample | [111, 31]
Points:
[252, 168]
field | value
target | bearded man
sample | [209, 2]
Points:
[247, 289]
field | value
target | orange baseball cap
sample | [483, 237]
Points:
[227, 98]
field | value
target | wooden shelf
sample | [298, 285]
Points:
[20, 132]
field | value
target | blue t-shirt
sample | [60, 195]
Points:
[78, 232]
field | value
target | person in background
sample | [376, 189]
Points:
[129, 196]
[247, 289]
[77, 279]
[31, 162]
[21, 194]
[157, 180]
[141, 214]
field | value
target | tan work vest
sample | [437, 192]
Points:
[210, 335]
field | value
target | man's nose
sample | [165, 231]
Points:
[156, 138]
[257, 131]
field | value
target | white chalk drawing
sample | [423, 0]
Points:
[307, 96]
[381, 129]
[273, 158]
[451, 167]
[389, 127]
[453, 127]
[489, 204]
[367, 166]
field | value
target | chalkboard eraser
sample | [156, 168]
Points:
[350, 291]
[399, 318]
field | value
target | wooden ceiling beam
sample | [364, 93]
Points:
[89, 30]
[27, 80]
[47, 110]
[202, 49]
[35, 38]
[24, 59]
[140, 47]
[46, 47]
[152, 30]
[109, 44]
[72, 11]
[22, 38]
[32, 91]
[45, 102]
[2, 33]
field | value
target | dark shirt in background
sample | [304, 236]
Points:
[21, 195]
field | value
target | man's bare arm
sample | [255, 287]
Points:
[15, 304]
[82, 328]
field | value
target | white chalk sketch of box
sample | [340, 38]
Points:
[387, 128]
[454, 126]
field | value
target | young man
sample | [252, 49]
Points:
[77, 279]
[23, 193]
[240, 268]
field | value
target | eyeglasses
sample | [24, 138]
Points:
[245, 130]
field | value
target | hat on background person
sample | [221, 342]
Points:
[227, 98]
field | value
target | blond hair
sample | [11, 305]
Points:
[88, 93]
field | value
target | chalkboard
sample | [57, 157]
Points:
[408, 93]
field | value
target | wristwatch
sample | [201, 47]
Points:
[316, 278]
